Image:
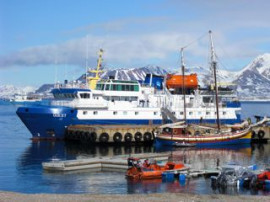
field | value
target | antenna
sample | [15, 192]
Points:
[86, 60]
[56, 70]
[214, 69]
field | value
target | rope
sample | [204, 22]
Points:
[192, 42]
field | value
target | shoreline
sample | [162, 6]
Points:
[15, 196]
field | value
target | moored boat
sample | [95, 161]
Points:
[148, 171]
[202, 135]
[120, 102]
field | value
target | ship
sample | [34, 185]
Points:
[24, 99]
[121, 102]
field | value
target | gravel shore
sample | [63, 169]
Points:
[12, 196]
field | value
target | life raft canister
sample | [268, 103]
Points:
[176, 81]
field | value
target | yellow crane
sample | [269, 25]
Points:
[92, 81]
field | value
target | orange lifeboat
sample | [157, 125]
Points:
[176, 81]
[147, 171]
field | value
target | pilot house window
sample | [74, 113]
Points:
[85, 95]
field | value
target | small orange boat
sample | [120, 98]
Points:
[176, 81]
[145, 171]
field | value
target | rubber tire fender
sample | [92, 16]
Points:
[147, 136]
[117, 137]
[138, 137]
[261, 134]
[93, 137]
[104, 138]
[128, 137]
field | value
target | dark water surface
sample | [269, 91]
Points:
[21, 170]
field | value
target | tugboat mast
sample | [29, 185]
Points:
[183, 83]
[214, 69]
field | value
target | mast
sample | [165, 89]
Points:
[97, 71]
[183, 82]
[214, 69]
[86, 61]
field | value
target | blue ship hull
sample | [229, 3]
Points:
[51, 122]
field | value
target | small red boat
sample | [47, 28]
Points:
[139, 171]
[263, 179]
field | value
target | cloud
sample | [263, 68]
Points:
[118, 49]
[125, 49]
[143, 39]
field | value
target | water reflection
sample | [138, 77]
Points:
[29, 167]
[40, 151]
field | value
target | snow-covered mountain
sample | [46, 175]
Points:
[7, 91]
[252, 82]
[130, 74]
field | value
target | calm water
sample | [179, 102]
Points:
[21, 170]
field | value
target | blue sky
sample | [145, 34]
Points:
[41, 41]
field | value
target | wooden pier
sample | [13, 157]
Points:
[99, 163]
[119, 164]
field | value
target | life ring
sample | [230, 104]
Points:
[104, 138]
[261, 134]
[138, 137]
[147, 136]
[117, 137]
[128, 137]
[93, 137]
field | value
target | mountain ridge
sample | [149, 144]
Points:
[251, 82]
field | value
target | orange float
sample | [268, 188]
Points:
[176, 81]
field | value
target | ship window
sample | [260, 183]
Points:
[155, 113]
[207, 113]
[136, 113]
[119, 87]
[181, 113]
[190, 113]
[84, 112]
[85, 95]
[125, 112]
[224, 113]
[115, 113]
[95, 112]
[173, 113]
[136, 88]
[199, 113]
[114, 87]
[107, 87]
